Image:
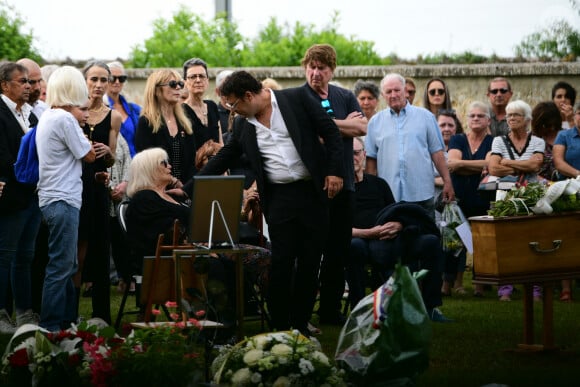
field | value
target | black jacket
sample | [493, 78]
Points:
[15, 195]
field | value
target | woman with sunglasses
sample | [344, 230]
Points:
[164, 124]
[203, 113]
[101, 128]
[436, 96]
[129, 111]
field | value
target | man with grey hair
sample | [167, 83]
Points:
[224, 113]
[403, 143]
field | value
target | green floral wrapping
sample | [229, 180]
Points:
[386, 338]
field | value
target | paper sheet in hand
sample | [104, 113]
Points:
[464, 232]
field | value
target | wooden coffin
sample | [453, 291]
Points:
[523, 249]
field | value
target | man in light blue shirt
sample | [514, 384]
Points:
[402, 143]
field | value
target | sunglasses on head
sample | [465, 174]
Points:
[433, 92]
[120, 78]
[326, 106]
[503, 90]
[173, 84]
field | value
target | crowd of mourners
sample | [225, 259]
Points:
[345, 190]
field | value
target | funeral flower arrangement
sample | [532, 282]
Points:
[539, 198]
[92, 354]
[275, 359]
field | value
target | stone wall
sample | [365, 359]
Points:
[531, 82]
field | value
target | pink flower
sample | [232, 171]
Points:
[200, 313]
[171, 304]
[174, 316]
[156, 312]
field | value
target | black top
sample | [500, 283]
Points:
[149, 215]
[201, 132]
[145, 138]
[372, 194]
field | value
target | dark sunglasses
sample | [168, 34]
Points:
[432, 92]
[165, 163]
[173, 84]
[97, 79]
[326, 106]
[503, 90]
[120, 78]
[411, 92]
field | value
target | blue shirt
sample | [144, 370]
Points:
[129, 126]
[403, 144]
[570, 138]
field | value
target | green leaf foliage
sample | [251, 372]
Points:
[15, 43]
[558, 41]
[220, 44]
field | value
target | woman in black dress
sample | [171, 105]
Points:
[101, 129]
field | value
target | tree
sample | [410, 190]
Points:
[218, 42]
[221, 45]
[558, 41]
[14, 43]
[277, 46]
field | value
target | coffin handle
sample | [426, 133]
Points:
[535, 246]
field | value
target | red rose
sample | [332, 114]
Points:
[19, 358]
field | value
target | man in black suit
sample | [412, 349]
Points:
[281, 132]
[19, 212]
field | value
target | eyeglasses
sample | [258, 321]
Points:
[326, 106]
[514, 115]
[474, 116]
[164, 162]
[173, 84]
[120, 78]
[232, 106]
[358, 152]
[97, 79]
[193, 77]
[432, 92]
[503, 90]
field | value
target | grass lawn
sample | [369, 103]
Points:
[479, 348]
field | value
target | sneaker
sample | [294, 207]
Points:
[6, 323]
[436, 316]
[28, 317]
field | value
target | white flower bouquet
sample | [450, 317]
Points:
[275, 359]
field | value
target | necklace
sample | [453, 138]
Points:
[475, 143]
[99, 109]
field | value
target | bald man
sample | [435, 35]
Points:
[35, 81]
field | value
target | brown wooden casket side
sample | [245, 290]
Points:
[502, 252]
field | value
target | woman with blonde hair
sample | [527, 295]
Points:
[163, 124]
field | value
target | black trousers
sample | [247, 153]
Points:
[335, 254]
[297, 222]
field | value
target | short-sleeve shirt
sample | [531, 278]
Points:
[61, 145]
[570, 138]
[533, 145]
[403, 144]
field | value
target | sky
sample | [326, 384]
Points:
[109, 29]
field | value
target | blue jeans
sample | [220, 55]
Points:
[58, 294]
[17, 240]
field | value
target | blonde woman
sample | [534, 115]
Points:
[163, 124]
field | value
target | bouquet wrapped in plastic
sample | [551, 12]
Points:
[451, 218]
[386, 338]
